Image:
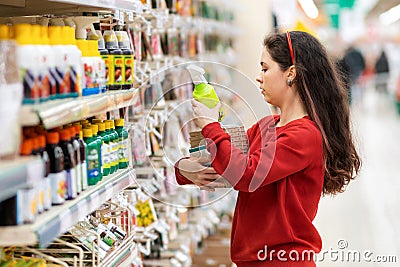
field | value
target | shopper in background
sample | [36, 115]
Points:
[382, 73]
[293, 158]
[355, 60]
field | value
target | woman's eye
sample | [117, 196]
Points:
[264, 70]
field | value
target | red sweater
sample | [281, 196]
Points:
[280, 183]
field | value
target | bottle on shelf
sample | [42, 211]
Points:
[92, 157]
[115, 61]
[114, 146]
[104, 148]
[123, 135]
[128, 58]
[77, 157]
[57, 174]
[82, 152]
[95, 130]
[46, 164]
[69, 163]
[27, 62]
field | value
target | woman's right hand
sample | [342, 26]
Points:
[200, 175]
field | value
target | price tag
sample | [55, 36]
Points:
[109, 192]
[65, 220]
[82, 209]
[116, 14]
[121, 18]
[94, 200]
[130, 16]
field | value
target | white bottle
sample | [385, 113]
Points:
[74, 60]
[27, 63]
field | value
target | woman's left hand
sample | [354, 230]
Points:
[204, 115]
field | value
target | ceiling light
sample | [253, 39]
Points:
[309, 8]
[390, 16]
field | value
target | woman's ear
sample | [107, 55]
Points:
[291, 72]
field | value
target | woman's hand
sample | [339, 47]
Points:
[200, 175]
[204, 115]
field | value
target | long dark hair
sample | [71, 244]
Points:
[326, 102]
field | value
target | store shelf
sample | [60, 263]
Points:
[42, 7]
[59, 112]
[18, 173]
[59, 219]
[122, 255]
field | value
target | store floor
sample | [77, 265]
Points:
[365, 220]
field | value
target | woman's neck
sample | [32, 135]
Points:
[290, 112]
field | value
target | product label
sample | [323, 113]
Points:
[123, 151]
[108, 60]
[115, 152]
[44, 81]
[93, 164]
[89, 75]
[58, 187]
[105, 155]
[84, 176]
[119, 70]
[47, 195]
[31, 85]
[78, 174]
[71, 184]
[129, 69]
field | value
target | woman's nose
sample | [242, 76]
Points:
[259, 79]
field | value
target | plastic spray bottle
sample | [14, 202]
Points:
[203, 91]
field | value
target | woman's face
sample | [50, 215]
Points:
[272, 80]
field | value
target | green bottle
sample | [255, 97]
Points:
[92, 157]
[95, 129]
[105, 157]
[109, 148]
[114, 146]
[203, 91]
[123, 147]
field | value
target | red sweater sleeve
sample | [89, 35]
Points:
[180, 179]
[273, 155]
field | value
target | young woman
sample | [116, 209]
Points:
[293, 158]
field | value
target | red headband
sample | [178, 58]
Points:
[290, 46]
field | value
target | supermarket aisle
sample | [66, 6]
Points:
[365, 219]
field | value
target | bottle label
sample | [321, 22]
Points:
[123, 151]
[78, 174]
[89, 75]
[115, 152]
[119, 70]
[31, 85]
[58, 187]
[84, 175]
[93, 164]
[47, 195]
[105, 155]
[71, 184]
[109, 61]
[129, 69]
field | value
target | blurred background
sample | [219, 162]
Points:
[363, 38]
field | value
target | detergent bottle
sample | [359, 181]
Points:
[203, 91]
